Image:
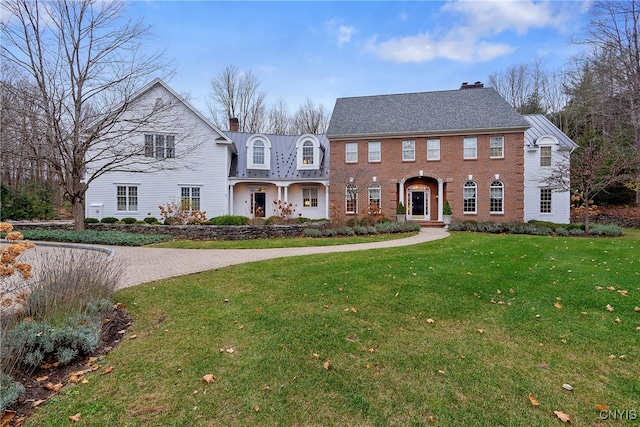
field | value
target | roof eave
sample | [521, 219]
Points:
[446, 132]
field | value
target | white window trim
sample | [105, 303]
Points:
[377, 187]
[501, 156]
[550, 201]
[316, 152]
[127, 186]
[347, 152]
[406, 159]
[191, 187]
[475, 205]
[464, 147]
[550, 157]
[311, 190]
[267, 152]
[433, 159]
[379, 151]
[355, 198]
[491, 187]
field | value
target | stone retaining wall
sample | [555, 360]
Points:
[191, 232]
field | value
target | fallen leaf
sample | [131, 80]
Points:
[567, 387]
[441, 372]
[557, 304]
[38, 403]
[599, 288]
[617, 320]
[53, 387]
[533, 401]
[372, 350]
[353, 309]
[609, 308]
[107, 370]
[611, 288]
[209, 378]
[75, 418]
[637, 309]
[612, 356]
[326, 364]
[256, 408]
[565, 418]
[6, 417]
[431, 321]
[601, 407]
[316, 356]
[133, 337]
[122, 331]
[40, 379]
[480, 331]
[431, 419]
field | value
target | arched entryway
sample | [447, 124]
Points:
[423, 198]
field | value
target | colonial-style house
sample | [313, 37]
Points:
[468, 147]
[465, 147]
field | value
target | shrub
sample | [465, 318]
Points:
[605, 230]
[109, 220]
[229, 220]
[312, 232]
[345, 231]
[360, 230]
[93, 237]
[329, 232]
[35, 201]
[91, 220]
[129, 220]
[10, 391]
[181, 213]
[151, 220]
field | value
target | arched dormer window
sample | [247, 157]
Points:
[258, 152]
[308, 152]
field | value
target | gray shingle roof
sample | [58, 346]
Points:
[448, 111]
[540, 126]
[284, 164]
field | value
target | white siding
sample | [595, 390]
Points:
[202, 160]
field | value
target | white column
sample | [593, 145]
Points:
[279, 192]
[401, 189]
[230, 210]
[286, 194]
[326, 201]
[440, 199]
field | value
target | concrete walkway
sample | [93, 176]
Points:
[144, 264]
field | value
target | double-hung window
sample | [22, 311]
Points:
[351, 196]
[408, 151]
[496, 147]
[374, 199]
[160, 146]
[307, 153]
[469, 199]
[545, 200]
[471, 148]
[190, 197]
[545, 155]
[496, 204]
[310, 197]
[433, 149]
[126, 198]
[374, 152]
[351, 152]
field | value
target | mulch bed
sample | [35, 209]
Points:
[36, 392]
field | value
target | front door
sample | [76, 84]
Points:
[418, 196]
[258, 204]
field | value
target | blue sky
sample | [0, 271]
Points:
[325, 50]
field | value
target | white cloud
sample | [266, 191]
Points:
[341, 33]
[472, 29]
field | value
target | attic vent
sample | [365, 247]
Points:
[159, 103]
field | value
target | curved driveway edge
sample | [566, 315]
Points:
[149, 264]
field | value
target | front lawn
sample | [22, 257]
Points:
[453, 332]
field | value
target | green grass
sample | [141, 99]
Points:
[280, 242]
[367, 313]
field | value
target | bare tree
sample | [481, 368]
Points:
[595, 166]
[236, 94]
[310, 118]
[614, 35]
[278, 118]
[84, 59]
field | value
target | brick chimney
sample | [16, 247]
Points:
[476, 85]
[234, 124]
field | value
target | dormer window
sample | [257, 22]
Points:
[258, 152]
[308, 152]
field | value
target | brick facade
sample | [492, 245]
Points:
[452, 169]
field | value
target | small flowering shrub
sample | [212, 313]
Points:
[181, 213]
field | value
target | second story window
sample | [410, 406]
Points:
[308, 152]
[471, 148]
[496, 147]
[408, 151]
[374, 152]
[351, 152]
[545, 155]
[433, 149]
[160, 146]
[258, 152]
